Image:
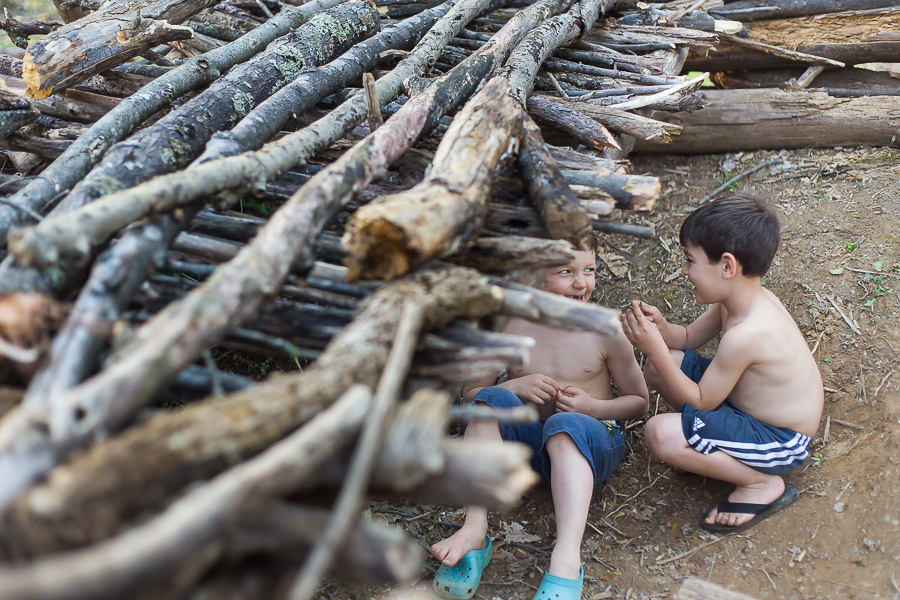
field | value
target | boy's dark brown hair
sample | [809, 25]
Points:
[739, 224]
[591, 242]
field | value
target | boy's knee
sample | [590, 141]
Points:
[651, 375]
[497, 397]
[661, 435]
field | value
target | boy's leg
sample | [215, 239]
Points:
[665, 438]
[471, 535]
[655, 381]
[572, 484]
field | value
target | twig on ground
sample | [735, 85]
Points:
[738, 177]
[632, 497]
[769, 577]
[687, 553]
[826, 435]
[850, 323]
[855, 587]
[881, 385]
[849, 424]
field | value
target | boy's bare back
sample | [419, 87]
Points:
[781, 385]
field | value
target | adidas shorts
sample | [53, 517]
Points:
[769, 449]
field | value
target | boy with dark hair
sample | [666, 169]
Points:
[748, 414]
[577, 443]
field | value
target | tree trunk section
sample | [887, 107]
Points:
[562, 214]
[763, 10]
[736, 120]
[393, 235]
[117, 32]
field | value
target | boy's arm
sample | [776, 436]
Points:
[729, 363]
[634, 399]
[704, 328]
[678, 337]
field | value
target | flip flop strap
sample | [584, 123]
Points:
[744, 508]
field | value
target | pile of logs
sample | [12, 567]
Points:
[411, 158]
[792, 78]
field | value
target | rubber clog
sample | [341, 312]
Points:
[759, 511]
[460, 581]
[557, 588]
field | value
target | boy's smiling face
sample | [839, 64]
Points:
[700, 271]
[574, 280]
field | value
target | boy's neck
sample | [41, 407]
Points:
[741, 295]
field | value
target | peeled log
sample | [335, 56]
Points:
[398, 232]
[738, 120]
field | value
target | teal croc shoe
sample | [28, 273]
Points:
[460, 581]
[557, 588]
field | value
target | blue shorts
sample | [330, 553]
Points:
[601, 444]
[768, 449]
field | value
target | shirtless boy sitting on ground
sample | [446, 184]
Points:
[577, 443]
[746, 416]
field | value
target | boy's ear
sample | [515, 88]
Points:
[730, 265]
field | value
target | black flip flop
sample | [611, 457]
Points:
[761, 511]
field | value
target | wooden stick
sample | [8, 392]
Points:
[738, 177]
[350, 499]
[784, 52]
[374, 105]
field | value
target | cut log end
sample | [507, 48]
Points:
[33, 79]
[376, 250]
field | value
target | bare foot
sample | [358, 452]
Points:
[449, 551]
[759, 493]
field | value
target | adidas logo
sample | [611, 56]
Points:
[698, 424]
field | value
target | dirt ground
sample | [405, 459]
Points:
[840, 215]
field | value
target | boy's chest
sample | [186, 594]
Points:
[568, 357]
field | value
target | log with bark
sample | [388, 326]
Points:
[108, 37]
[849, 38]
[736, 120]
[15, 111]
[763, 10]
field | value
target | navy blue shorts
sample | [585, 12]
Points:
[768, 449]
[602, 445]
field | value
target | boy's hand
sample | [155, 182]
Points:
[573, 399]
[651, 312]
[536, 388]
[643, 333]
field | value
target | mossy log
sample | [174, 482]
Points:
[173, 141]
[88, 149]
